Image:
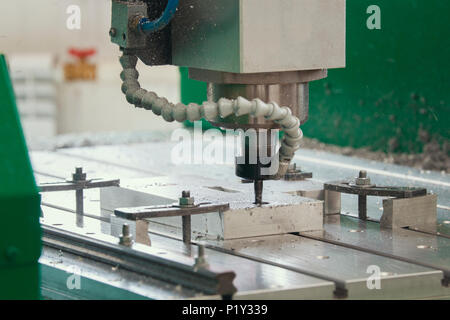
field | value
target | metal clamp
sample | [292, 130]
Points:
[78, 183]
[185, 208]
[362, 187]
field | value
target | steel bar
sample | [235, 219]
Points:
[67, 186]
[139, 213]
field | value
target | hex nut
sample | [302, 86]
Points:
[187, 201]
[362, 181]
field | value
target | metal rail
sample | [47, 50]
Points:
[201, 279]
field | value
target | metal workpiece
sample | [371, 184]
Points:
[418, 213]
[143, 260]
[285, 212]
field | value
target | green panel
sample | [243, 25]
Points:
[396, 81]
[13, 151]
[20, 238]
[211, 43]
[19, 282]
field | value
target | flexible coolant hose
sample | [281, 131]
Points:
[213, 111]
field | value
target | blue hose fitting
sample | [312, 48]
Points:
[147, 26]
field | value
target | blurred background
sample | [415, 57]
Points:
[36, 40]
[391, 102]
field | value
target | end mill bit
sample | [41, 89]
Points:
[258, 184]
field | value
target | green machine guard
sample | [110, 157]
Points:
[20, 233]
